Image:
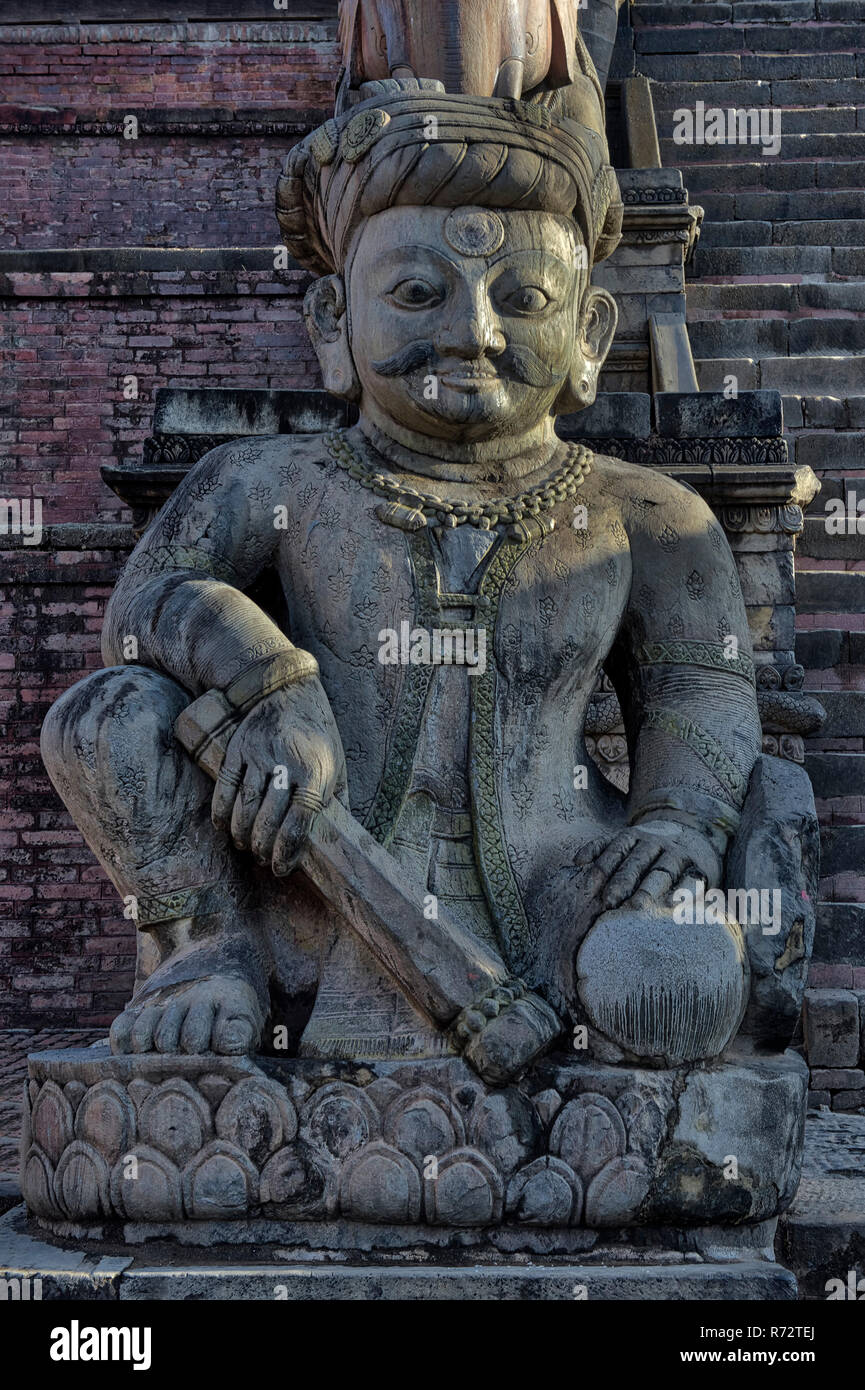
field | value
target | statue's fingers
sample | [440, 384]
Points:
[246, 804]
[228, 784]
[295, 829]
[588, 852]
[627, 878]
[615, 853]
[270, 816]
[657, 886]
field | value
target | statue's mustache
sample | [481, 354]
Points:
[518, 362]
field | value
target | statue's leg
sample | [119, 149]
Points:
[144, 808]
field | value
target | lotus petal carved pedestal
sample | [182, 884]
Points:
[346, 1156]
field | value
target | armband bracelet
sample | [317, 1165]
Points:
[206, 727]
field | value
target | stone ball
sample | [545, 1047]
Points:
[663, 990]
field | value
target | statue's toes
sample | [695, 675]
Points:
[166, 1035]
[145, 1022]
[120, 1035]
[236, 1031]
[198, 1024]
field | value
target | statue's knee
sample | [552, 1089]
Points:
[124, 708]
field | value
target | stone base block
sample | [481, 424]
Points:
[152, 1144]
[33, 1268]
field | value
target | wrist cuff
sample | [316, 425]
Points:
[206, 727]
[707, 814]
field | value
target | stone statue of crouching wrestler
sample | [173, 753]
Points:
[454, 304]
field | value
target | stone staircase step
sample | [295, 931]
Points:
[713, 373]
[847, 295]
[726, 261]
[691, 38]
[817, 334]
[840, 9]
[772, 175]
[771, 298]
[832, 488]
[748, 11]
[738, 337]
[651, 13]
[831, 591]
[648, 12]
[841, 231]
[745, 232]
[836, 412]
[819, 120]
[805, 94]
[836, 774]
[826, 648]
[754, 337]
[827, 451]
[799, 91]
[816, 543]
[795, 145]
[776, 296]
[797, 376]
[845, 711]
[801, 205]
[841, 846]
[716, 67]
[798, 39]
[840, 935]
[754, 262]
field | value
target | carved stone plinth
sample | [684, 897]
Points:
[177, 1140]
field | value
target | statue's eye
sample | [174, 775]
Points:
[528, 299]
[415, 293]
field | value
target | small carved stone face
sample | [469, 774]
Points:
[463, 323]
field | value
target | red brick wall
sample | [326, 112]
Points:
[66, 954]
[85, 191]
[72, 338]
[121, 66]
[70, 181]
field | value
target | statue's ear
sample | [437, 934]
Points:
[324, 311]
[597, 327]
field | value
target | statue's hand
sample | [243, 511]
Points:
[282, 767]
[648, 860]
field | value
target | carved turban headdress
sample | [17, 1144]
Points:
[428, 147]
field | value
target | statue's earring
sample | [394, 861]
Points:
[584, 387]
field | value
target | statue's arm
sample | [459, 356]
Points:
[683, 669]
[179, 605]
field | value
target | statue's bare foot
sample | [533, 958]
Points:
[203, 998]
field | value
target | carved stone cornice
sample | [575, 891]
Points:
[653, 196]
[663, 451]
[786, 517]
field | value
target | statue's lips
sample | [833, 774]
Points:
[470, 381]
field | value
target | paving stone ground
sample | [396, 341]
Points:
[822, 1237]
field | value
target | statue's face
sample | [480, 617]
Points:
[464, 324]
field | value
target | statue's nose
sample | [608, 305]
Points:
[471, 331]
